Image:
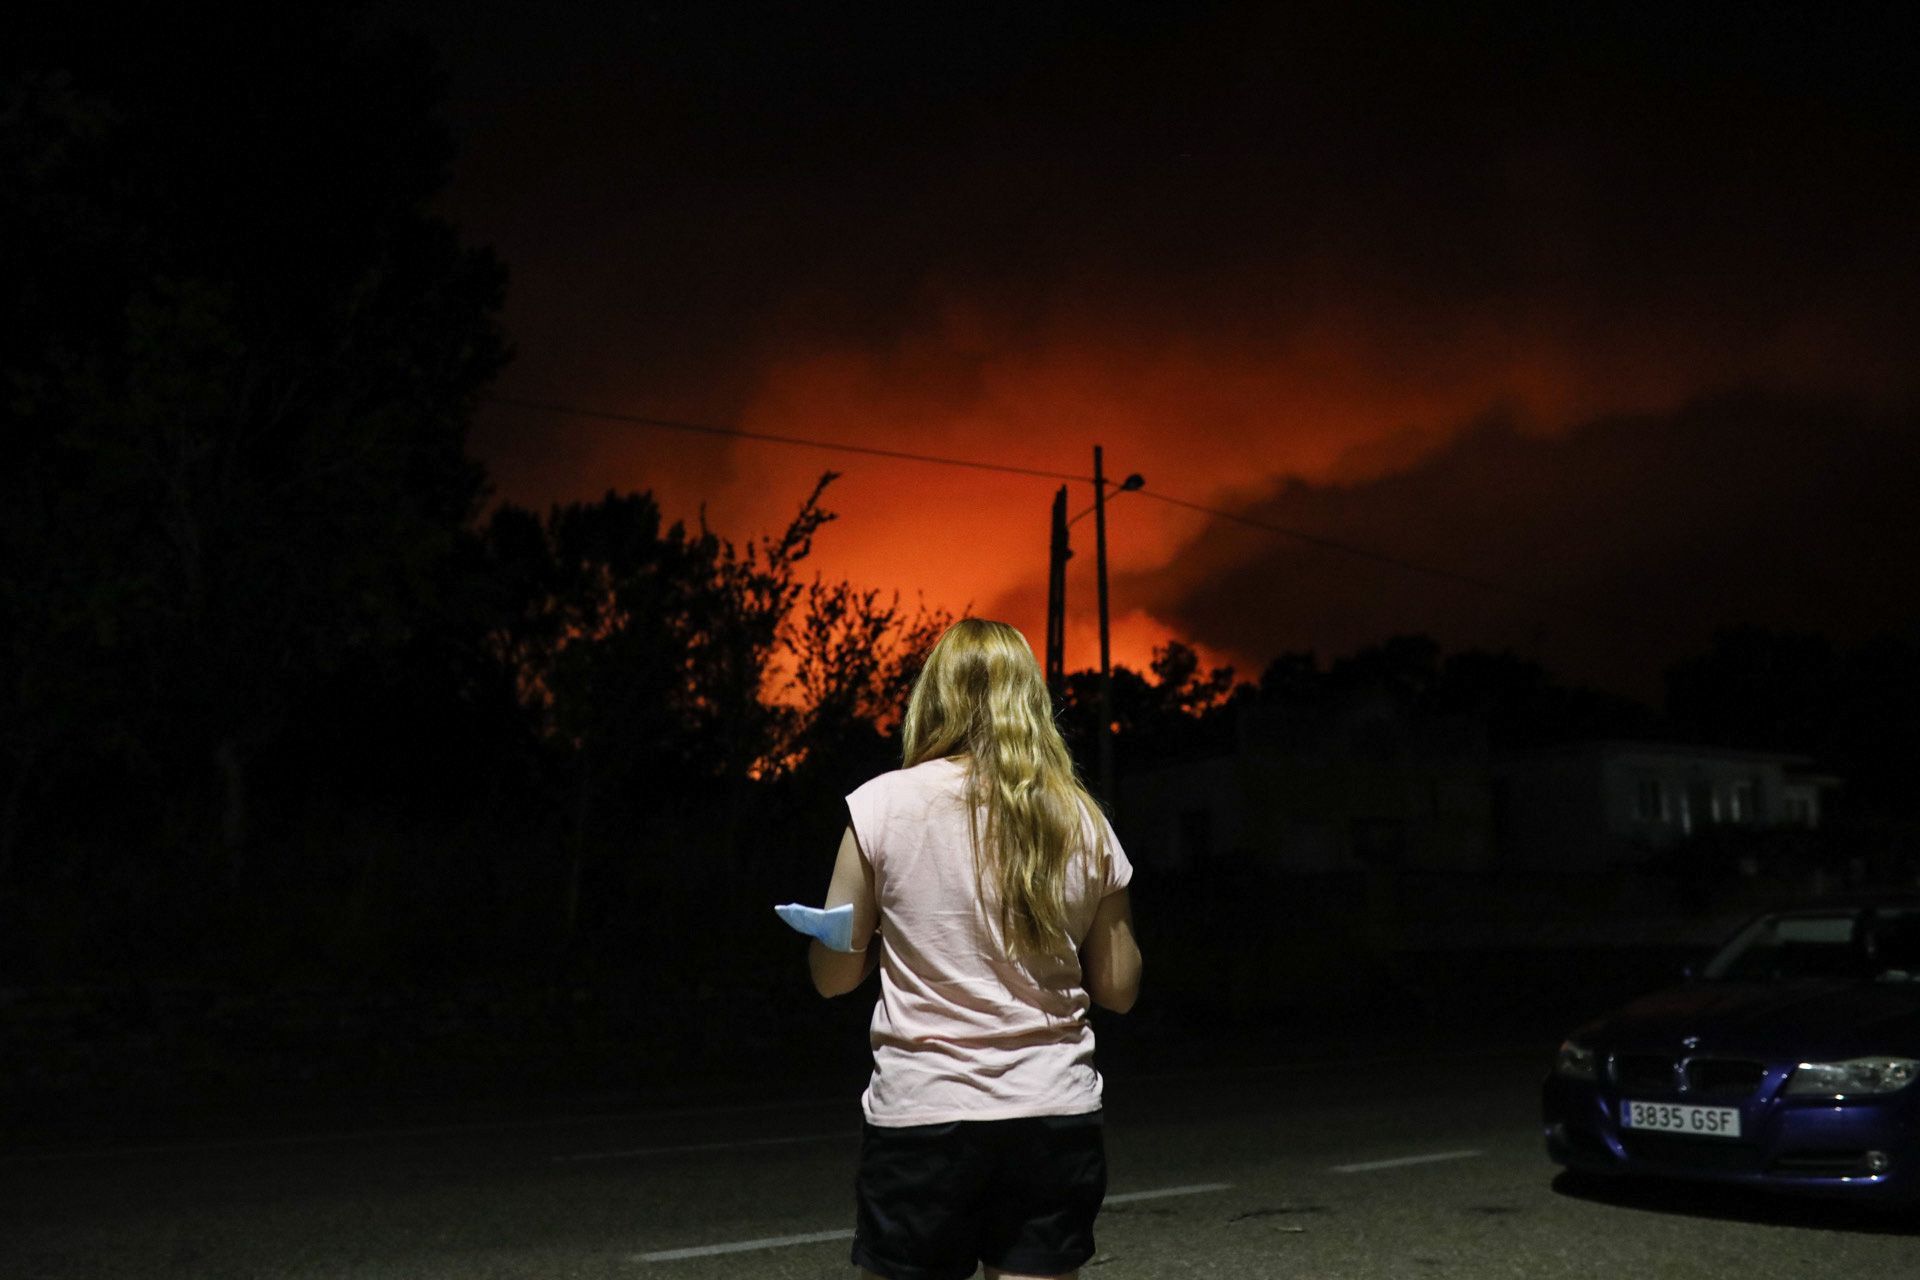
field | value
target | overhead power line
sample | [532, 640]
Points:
[841, 446]
[1348, 548]
[706, 429]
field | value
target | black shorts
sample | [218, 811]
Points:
[1020, 1195]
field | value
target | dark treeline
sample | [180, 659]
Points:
[1176, 710]
[284, 695]
[1854, 711]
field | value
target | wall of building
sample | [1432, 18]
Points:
[1550, 813]
[1360, 789]
[1657, 798]
[1589, 806]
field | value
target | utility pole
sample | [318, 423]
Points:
[1106, 667]
[1057, 555]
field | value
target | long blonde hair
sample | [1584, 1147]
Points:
[981, 692]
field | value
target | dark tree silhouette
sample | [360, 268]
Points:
[1523, 705]
[670, 672]
[1758, 688]
[238, 366]
[1171, 712]
[1855, 711]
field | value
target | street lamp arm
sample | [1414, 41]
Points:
[1132, 483]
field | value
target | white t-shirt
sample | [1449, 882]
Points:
[962, 1031]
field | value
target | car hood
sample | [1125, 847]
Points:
[1772, 1019]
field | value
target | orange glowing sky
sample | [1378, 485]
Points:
[1292, 266]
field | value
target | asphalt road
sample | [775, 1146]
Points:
[1406, 1165]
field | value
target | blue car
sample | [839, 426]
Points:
[1787, 1062]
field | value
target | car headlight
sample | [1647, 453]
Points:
[1576, 1062]
[1854, 1076]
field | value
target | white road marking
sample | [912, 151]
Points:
[701, 1146]
[1195, 1189]
[740, 1246]
[820, 1237]
[1401, 1162]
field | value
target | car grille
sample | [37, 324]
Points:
[1691, 1153]
[1724, 1077]
[1711, 1077]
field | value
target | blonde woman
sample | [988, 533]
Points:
[991, 894]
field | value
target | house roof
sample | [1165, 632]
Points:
[1623, 746]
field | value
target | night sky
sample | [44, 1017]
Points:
[1613, 311]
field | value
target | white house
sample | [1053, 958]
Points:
[1356, 785]
[1589, 805]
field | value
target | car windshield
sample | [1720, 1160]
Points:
[1860, 944]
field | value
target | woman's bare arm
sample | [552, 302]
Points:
[1110, 958]
[837, 972]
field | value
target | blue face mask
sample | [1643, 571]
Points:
[834, 928]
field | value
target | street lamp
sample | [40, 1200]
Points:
[1057, 604]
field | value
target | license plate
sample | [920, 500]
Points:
[1668, 1117]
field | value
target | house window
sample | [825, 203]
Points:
[1649, 801]
[1699, 805]
[1741, 804]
